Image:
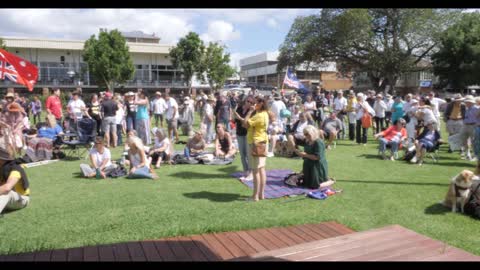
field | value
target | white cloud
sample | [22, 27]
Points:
[220, 31]
[81, 24]
[272, 22]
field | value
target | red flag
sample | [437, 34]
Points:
[17, 70]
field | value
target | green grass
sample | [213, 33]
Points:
[69, 211]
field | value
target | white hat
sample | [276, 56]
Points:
[413, 101]
[469, 98]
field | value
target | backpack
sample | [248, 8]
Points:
[366, 120]
[119, 171]
[472, 207]
[294, 179]
[409, 155]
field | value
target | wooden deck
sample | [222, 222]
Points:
[391, 243]
[204, 247]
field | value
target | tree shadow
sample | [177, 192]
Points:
[370, 156]
[437, 209]
[197, 175]
[214, 197]
[393, 182]
[230, 169]
[452, 164]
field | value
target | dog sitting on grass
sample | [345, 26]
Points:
[459, 190]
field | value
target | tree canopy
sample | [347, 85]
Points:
[2, 44]
[458, 60]
[384, 43]
[215, 66]
[108, 59]
[187, 55]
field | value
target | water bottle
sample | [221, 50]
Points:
[186, 152]
[97, 175]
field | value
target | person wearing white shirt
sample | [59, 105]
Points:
[76, 108]
[340, 106]
[361, 108]
[436, 103]
[380, 108]
[120, 122]
[277, 107]
[158, 108]
[412, 124]
[100, 159]
[208, 119]
[388, 112]
[172, 116]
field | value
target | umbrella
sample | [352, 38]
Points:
[17, 70]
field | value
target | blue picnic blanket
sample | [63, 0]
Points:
[275, 187]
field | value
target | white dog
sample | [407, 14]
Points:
[459, 190]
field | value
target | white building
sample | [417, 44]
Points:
[60, 62]
[261, 70]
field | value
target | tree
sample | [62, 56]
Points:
[187, 55]
[458, 60]
[382, 42]
[2, 44]
[215, 66]
[108, 59]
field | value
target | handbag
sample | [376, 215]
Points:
[259, 149]
[366, 120]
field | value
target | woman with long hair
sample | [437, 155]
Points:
[143, 120]
[139, 162]
[257, 133]
[223, 143]
[240, 113]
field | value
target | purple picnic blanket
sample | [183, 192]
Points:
[275, 187]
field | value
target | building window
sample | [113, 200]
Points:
[62, 59]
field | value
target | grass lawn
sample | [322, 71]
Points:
[69, 211]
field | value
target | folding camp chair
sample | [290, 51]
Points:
[78, 144]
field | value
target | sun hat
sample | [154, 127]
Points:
[469, 98]
[210, 98]
[14, 107]
[10, 95]
[130, 93]
[458, 97]
[158, 93]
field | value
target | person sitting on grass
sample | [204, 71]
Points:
[161, 148]
[315, 166]
[14, 185]
[275, 132]
[100, 159]
[139, 163]
[196, 145]
[393, 136]
[427, 141]
[296, 137]
[223, 143]
[330, 128]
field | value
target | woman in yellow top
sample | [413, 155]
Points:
[14, 190]
[257, 132]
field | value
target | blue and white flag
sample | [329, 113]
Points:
[292, 81]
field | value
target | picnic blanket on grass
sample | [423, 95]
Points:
[275, 187]
[179, 158]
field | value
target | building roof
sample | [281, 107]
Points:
[138, 34]
[62, 44]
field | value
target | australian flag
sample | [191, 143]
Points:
[17, 70]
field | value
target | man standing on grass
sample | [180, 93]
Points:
[158, 108]
[14, 186]
[172, 116]
[53, 105]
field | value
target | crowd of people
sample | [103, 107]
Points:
[231, 123]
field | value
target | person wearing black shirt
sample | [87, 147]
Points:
[131, 109]
[240, 114]
[109, 110]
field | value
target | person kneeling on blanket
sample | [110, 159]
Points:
[100, 159]
[196, 145]
[315, 167]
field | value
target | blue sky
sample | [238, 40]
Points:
[245, 32]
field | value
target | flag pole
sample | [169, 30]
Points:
[283, 82]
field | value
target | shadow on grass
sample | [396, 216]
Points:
[198, 175]
[370, 156]
[214, 197]
[437, 209]
[392, 182]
